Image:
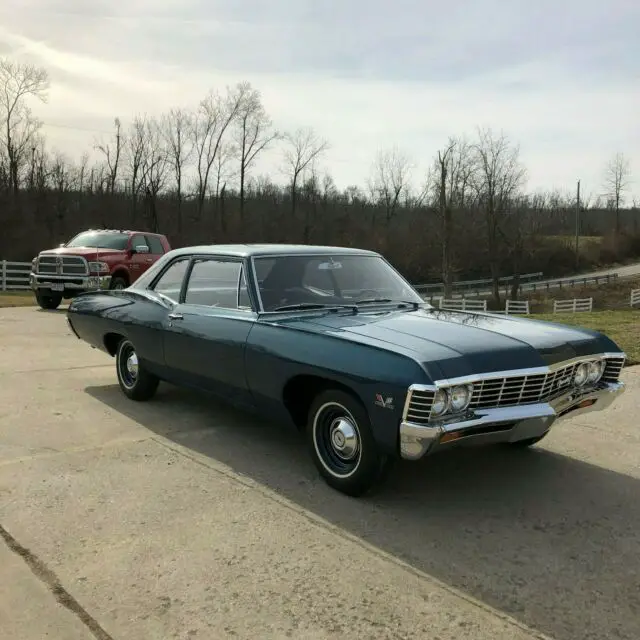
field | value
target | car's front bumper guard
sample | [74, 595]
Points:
[70, 283]
[506, 424]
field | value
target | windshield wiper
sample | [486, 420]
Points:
[400, 303]
[313, 305]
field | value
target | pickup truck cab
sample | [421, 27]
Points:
[92, 260]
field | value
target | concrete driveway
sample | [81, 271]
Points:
[182, 519]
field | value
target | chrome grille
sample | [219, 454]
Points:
[492, 393]
[419, 406]
[55, 265]
[613, 369]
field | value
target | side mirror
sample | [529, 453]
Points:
[61, 245]
[141, 248]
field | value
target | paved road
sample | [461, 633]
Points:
[627, 271]
[181, 519]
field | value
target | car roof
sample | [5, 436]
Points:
[123, 231]
[256, 250]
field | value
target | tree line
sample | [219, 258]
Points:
[192, 174]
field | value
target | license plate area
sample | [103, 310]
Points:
[57, 286]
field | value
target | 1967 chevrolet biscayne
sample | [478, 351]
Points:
[337, 342]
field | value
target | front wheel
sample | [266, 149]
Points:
[135, 381]
[48, 301]
[342, 445]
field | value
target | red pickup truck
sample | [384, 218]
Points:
[94, 259]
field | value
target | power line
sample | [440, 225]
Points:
[74, 128]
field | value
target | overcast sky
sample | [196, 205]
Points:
[561, 78]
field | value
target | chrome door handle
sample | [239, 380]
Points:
[176, 316]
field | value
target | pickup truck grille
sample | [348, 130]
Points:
[492, 393]
[56, 265]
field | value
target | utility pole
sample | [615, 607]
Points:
[577, 226]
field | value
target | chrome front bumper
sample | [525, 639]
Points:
[72, 284]
[506, 424]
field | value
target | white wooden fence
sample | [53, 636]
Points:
[517, 307]
[635, 297]
[573, 306]
[14, 276]
[463, 304]
[513, 308]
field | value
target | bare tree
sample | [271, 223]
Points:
[617, 178]
[498, 178]
[444, 209]
[154, 168]
[18, 83]
[390, 179]
[135, 151]
[111, 152]
[82, 172]
[213, 118]
[303, 148]
[223, 171]
[253, 134]
[177, 126]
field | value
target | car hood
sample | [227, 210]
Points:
[85, 252]
[462, 343]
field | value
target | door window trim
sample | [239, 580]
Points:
[152, 285]
[217, 258]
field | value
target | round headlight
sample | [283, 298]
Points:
[581, 374]
[596, 369]
[460, 397]
[440, 402]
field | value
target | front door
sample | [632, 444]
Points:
[205, 335]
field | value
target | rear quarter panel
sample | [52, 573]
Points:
[95, 315]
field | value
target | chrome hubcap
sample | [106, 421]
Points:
[344, 439]
[132, 365]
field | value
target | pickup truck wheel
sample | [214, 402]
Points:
[48, 301]
[341, 443]
[135, 381]
[118, 283]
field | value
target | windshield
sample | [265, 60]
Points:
[336, 279]
[100, 240]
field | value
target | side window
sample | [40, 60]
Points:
[170, 281]
[243, 295]
[137, 241]
[214, 283]
[155, 245]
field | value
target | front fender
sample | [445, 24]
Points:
[379, 377]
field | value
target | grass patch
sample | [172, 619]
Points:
[614, 295]
[17, 299]
[622, 326]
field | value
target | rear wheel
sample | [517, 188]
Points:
[48, 301]
[342, 445]
[135, 381]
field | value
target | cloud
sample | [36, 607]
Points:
[560, 79]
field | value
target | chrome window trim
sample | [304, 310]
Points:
[216, 258]
[294, 254]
